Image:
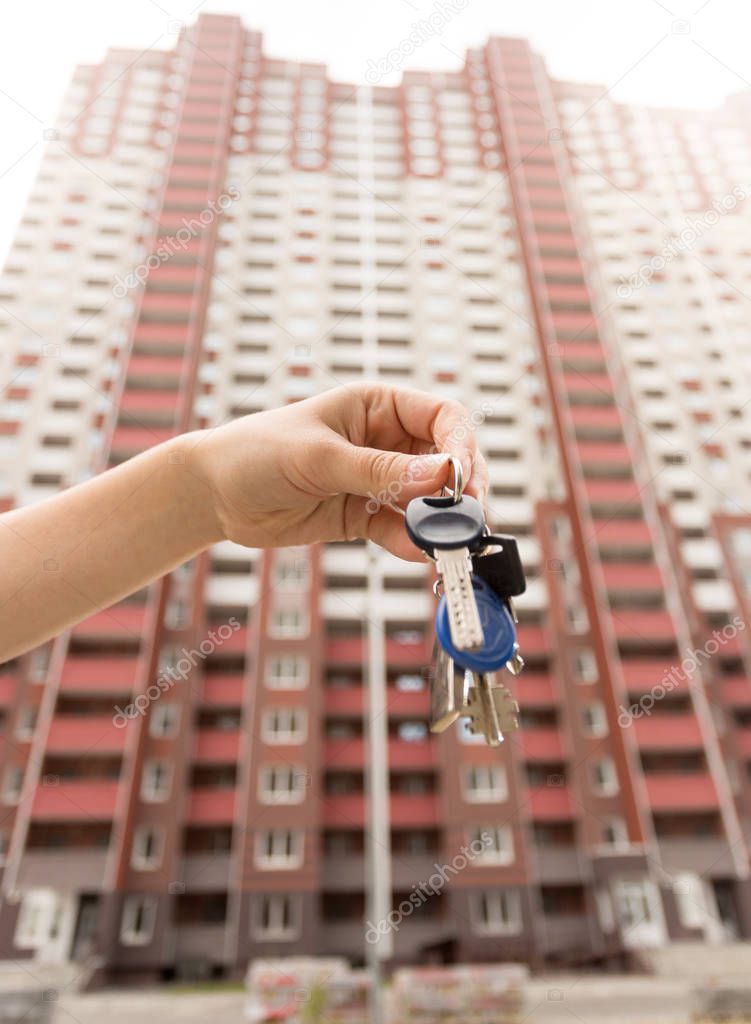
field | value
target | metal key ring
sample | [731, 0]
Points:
[458, 490]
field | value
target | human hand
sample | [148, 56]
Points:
[332, 467]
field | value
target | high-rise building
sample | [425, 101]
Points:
[214, 232]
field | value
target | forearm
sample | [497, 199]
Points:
[90, 546]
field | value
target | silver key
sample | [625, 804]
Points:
[492, 708]
[455, 568]
[449, 691]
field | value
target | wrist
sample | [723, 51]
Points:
[194, 489]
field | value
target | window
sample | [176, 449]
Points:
[288, 622]
[4, 844]
[482, 783]
[164, 720]
[688, 890]
[156, 781]
[34, 918]
[284, 725]
[291, 572]
[286, 672]
[282, 784]
[277, 916]
[604, 777]
[12, 784]
[496, 843]
[137, 922]
[633, 904]
[615, 834]
[27, 719]
[594, 719]
[585, 665]
[279, 849]
[146, 854]
[496, 912]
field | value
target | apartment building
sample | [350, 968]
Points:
[215, 231]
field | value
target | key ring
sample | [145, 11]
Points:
[458, 490]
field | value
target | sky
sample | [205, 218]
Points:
[676, 53]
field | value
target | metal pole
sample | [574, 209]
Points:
[378, 834]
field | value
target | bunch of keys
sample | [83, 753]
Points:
[479, 574]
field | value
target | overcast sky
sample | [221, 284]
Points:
[646, 51]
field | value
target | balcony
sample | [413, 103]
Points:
[129, 441]
[155, 371]
[535, 691]
[74, 869]
[662, 731]
[558, 865]
[401, 754]
[216, 746]
[211, 807]
[7, 689]
[148, 407]
[638, 629]
[347, 873]
[632, 577]
[595, 421]
[94, 734]
[75, 801]
[122, 620]
[199, 942]
[550, 803]
[345, 700]
[223, 691]
[641, 674]
[205, 871]
[623, 536]
[710, 857]
[108, 675]
[678, 793]
[610, 496]
[736, 691]
[541, 744]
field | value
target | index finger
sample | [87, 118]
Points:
[443, 421]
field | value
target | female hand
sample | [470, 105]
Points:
[333, 467]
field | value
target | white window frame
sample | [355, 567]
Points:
[296, 716]
[13, 778]
[499, 852]
[275, 931]
[282, 626]
[139, 860]
[148, 907]
[148, 794]
[274, 795]
[507, 918]
[280, 675]
[496, 790]
[604, 777]
[594, 719]
[280, 849]
[166, 715]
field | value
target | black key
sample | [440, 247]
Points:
[445, 523]
[501, 569]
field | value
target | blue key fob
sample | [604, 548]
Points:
[497, 626]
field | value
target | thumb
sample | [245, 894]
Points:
[388, 478]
